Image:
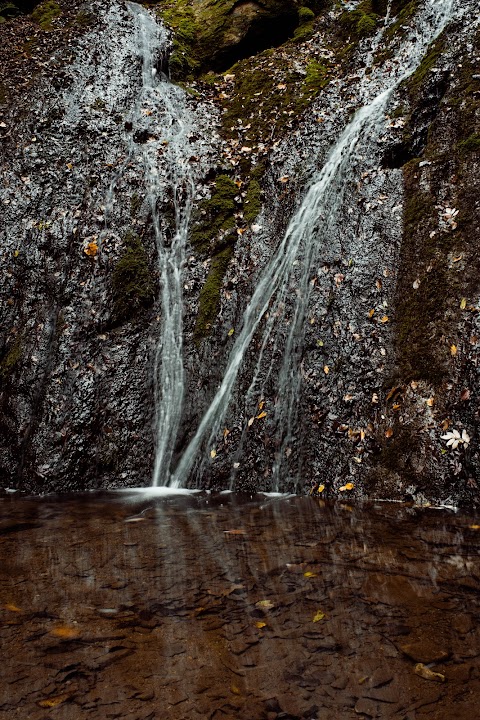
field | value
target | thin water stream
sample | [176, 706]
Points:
[309, 230]
[182, 606]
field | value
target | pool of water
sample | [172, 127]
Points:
[182, 606]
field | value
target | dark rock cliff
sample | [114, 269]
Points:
[384, 360]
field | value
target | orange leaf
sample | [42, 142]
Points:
[91, 250]
[12, 608]
[384, 319]
[261, 415]
[389, 433]
[65, 632]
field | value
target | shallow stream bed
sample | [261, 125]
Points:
[182, 606]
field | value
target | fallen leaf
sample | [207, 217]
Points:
[12, 608]
[326, 369]
[53, 701]
[91, 250]
[465, 395]
[453, 350]
[251, 421]
[65, 632]
[264, 605]
[424, 672]
[371, 313]
[230, 332]
[261, 404]
[384, 319]
[213, 453]
[347, 486]
[463, 304]
[388, 433]
[474, 527]
[320, 488]
[261, 415]
[319, 615]
[260, 625]
[430, 402]
[309, 574]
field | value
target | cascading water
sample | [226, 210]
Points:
[291, 265]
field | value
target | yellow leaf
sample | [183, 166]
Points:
[463, 304]
[230, 332]
[261, 404]
[226, 432]
[91, 249]
[261, 415]
[320, 488]
[309, 574]
[12, 608]
[65, 632]
[69, 166]
[371, 313]
[16, 253]
[326, 369]
[349, 486]
[384, 319]
[53, 701]
[319, 615]
[260, 625]
[388, 433]
[319, 343]
[453, 350]
[264, 604]
[213, 453]
[235, 690]
[474, 527]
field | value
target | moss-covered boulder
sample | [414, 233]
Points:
[214, 34]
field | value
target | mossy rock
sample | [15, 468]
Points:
[11, 358]
[210, 293]
[45, 13]
[132, 281]
[214, 34]
[214, 216]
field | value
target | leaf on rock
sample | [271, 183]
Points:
[251, 421]
[53, 701]
[264, 605]
[453, 350]
[319, 615]
[260, 625]
[91, 250]
[261, 415]
[309, 574]
[463, 303]
[12, 608]
[230, 332]
[65, 632]
[371, 313]
[213, 453]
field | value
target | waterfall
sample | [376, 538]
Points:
[309, 230]
[159, 100]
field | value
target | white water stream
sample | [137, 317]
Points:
[308, 231]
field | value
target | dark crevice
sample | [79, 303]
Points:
[264, 33]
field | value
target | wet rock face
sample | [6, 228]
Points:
[358, 350]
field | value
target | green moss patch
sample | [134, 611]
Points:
[11, 358]
[215, 216]
[132, 281]
[45, 13]
[210, 293]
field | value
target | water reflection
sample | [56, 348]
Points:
[189, 605]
